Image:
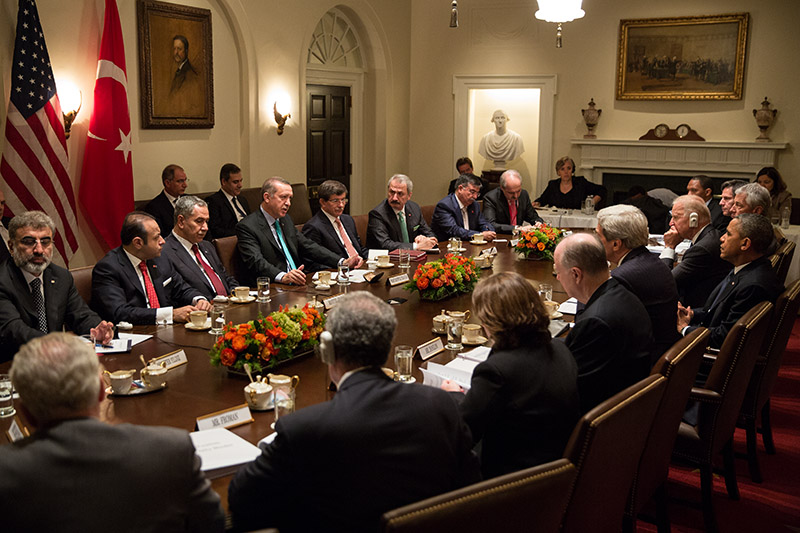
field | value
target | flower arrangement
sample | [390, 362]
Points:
[266, 342]
[539, 241]
[437, 280]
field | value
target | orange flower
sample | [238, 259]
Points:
[227, 357]
[422, 283]
[540, 246]
[238, 343]
[437, 283]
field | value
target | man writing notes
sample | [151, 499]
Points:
[271, 246]
[509, 205]
[457, 214]
[36, 296]
[701, 268]
[94, 476]
[611, 340]
[331, 227]
[378, 445]
[135, 284]
[162, 207]
[397, 222]
[227, 206]
[195, 259]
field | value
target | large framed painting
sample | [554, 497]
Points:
[685, 58]
[175, 66]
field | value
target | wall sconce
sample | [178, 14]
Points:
[72, 100]
[280, 119]
[559, 12]
[454, 14]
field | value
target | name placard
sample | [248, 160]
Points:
[330, 302]
[227, 418]
[430, 348]
[17, 431]
[397, 280]
[512, 243]
[173, 359]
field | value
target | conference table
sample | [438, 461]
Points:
[197, 388]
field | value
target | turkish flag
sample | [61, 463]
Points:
[106, 190]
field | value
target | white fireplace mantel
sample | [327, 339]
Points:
[678, 158]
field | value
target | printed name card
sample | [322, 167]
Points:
[330, 302]
[397, 280]
[513, 242]
[173, 359]
[228, 418]
[17, 431]
[430, 348]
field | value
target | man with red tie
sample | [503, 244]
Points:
[195, 259]
[509, 205]
[133, 283]
[331, 227]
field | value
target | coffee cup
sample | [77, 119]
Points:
[479, 260]
[479, 238]
[324, 277]
[241, 293]
[198, 318]
[258, 395]
[121, 381]
[471, 332]
[154, 375]
[383, 260]
[551, 307]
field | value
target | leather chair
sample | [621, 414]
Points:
[427, 213]
[765, 372]
[229, 255]
[300, 210]
[82, 277]
[605, 447]
[362, 223]
[529, 500]
[679, 366]
[719, 402]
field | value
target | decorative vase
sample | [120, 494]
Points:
[764, 118]
[590, 117]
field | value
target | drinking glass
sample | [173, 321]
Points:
[344, 275]
[263, 289]
[403, 356]
[284, 403]
[217, 319]
[454, 331]
[6, 399]
[546, 292]
[405, 259]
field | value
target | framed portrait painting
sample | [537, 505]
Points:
[685, 58]
[175, 66]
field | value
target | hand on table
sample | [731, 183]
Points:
[354, 262]
[489, 235]
[294, 277]
[103, 333]
[426, 243]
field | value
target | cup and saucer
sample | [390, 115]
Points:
[322, 286]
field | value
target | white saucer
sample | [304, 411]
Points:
[220, 299]
[478, 243]
[462, 249]
[322, 286]
[192, 327]
[390, 265]
[412, 380]
[247, 300]
[557, 314]
[480, 339]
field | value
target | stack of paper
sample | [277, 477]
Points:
[222, 451]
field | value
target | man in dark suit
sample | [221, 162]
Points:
[227, 206]
[499, 203]
[701, 268]
[727, 198]
[196, 260]
[4, 221]
[745, 245]
[387, 221]
[457, 214]
[612, 337]
[133, 283]
[37, 296]
[331, 227]
[464, 166]
[623, 231]
[162, 207]
[271, 246]
[94, 476]
[703, 187]
[378, 445]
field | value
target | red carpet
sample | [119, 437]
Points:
[771, 506]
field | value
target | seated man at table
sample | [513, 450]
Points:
[701, 268]
[227, 206]
[623, 231]
[195, 259]
[703, 187]
[332, 227]
[92, 475]
[378, 445]
[612, 337]
[728, 197]
[509, 205]
[464, 166]
[457, 214]
[754, 198]
[37, 296]
[162, 207]
[271, 246]
[133, 283]
[397, 222]
[745, 245]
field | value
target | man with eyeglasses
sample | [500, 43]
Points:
[36, 296]
[162, 207]
[331, 227]
[457, 214]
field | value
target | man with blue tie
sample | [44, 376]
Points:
[457, 214]
[270, 245]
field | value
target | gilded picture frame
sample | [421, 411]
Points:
[683, 58]
[175, 66]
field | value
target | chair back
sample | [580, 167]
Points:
[427, 213]
[300, 210]
[533, 499]
[82, 277]
[229, 256]
[786, 253]
[679, 365]
[605, 447]
[730, 375]
[362, 222]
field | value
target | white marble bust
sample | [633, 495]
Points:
[502, 144]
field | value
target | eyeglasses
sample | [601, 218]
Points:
[29, 242]
[342, 201]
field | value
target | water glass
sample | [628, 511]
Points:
[455, 327]
[546, 292]
[403, 356]
[217, 319]
[284, 403]
[344, 275]
[405, 259]
[263, 289]
[6, 400]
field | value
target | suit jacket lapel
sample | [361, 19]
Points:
[394, 224]
[24, 290]
[50, 301]
[158, 282]
[333, 233]
[190, 262]
[127, 268]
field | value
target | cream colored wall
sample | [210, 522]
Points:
[504, 38]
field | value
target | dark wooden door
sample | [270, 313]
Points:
[328, 150]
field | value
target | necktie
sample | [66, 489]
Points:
[212, 276]
[722, 286]
[38, 302]
[348, 244]
[465, 217]
[403, 227]
[512, 212]
[285, 248]
[238, 208]
[149, 289]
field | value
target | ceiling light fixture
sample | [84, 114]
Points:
[559, 12]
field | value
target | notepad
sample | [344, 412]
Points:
[222, 452]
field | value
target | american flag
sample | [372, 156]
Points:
[34, 163]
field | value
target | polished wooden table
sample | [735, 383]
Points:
[198, 389]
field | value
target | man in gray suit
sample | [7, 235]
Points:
[76, 473]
